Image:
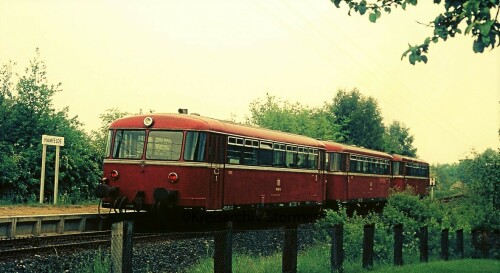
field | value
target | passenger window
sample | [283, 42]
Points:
[291, 156]
[312, 159]
[250, 152]
[302, 159]
[279, 155]
[266, 154]
[234, 150]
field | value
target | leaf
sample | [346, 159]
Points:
[412, 58]
[362, 9]
[372, 17]
[336, 3]
[424, 58]
[486, 27]
[478, 46]
[485, 39]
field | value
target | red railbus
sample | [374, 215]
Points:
[175, 162]
[193, 162]
[356, 175]
[412, 172]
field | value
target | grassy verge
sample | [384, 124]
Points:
[317, 260]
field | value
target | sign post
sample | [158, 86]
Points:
[432, 183]
[58, 142]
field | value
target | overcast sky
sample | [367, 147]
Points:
[216, 57]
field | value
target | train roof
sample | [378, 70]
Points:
[408, 159]
[343, 148]
[331, 146]
[365, 151]
[200, 123]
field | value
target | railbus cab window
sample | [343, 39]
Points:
[335, 162]
[396, 168]
[129, 144]
[164, 145]
[195, 146]
[108, 143]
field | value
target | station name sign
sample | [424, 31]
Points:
[52, 140]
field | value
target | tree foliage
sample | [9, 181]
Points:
[481, 173]
[349, 118]
[398, 140]
[295, 118]
[478, 176]
[26, 114]
[359, 117]
[478, 18]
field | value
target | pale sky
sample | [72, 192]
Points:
[216, 57]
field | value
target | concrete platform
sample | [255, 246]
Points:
[49, 225]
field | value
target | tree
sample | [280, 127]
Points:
[27, 114]
[479, 18]
[398, 140]
[294, 118]
[359, 119]
[481, 172]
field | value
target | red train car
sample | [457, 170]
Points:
[193, 162]
[356, 175]
[408, 171]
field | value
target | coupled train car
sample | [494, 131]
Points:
[161, 162]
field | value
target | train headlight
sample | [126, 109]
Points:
[114, 174]
[173, 177]
[148, 121]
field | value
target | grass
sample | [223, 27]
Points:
[456, 266]
[317, 260]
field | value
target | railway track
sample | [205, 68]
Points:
[449, 199]
[70, 243]
[24, 247]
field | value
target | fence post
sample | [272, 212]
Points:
[460, 244]
[368, 237]
[424, 244]
[337, 248]
[121, 246]
[289, 260]
[480, 243]
[398, 244]
[444, 244]
[223, 250]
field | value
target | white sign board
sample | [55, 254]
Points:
[58, 142]
[52, 140]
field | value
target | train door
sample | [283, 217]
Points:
[216, 146]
